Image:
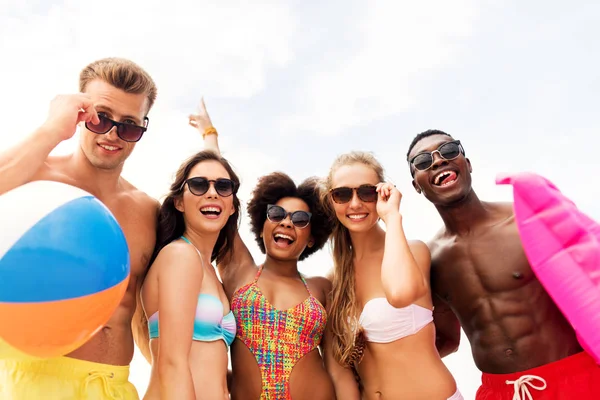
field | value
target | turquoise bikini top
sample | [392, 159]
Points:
[209, 323]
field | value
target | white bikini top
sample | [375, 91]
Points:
[384, 323]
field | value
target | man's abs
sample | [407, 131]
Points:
[515, 334]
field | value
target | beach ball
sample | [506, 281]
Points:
[64, 269]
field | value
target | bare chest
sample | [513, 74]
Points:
[139, 228]
[484, 264]
[136, 219]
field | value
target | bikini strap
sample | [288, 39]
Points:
[305, 284]
[260, 268]
[197, 251]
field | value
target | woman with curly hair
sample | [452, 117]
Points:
[280, 314]
[381, 329]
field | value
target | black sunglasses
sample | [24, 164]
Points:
[448, 151]
[199, 185]
[276, 214]
[127, 132]
[366, 193]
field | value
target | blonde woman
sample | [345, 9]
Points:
[381, 339]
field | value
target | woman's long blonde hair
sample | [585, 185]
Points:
[347, 344]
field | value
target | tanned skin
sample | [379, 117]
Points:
[481, 278]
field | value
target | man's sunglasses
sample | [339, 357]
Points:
[366, 193]
[448, 151]
[200, 185]
[127, 132]
[276, 214]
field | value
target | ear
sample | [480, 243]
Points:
[469, 164]
[179, 204]
[416, 186]
[311, 242]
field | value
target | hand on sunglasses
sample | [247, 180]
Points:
[66, 111]
[200, 120]
[388, 200]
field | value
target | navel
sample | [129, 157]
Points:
[508, 352]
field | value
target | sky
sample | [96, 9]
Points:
[290, 85]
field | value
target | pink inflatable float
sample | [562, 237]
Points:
[563, 248]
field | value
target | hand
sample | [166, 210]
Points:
[66, 111]
[200, 120]
[388, 200]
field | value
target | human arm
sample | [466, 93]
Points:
[403, 266]
[240, 257]
[447, 327]
[201, 121]
[178, 289]
[344, 383]
[20, 163]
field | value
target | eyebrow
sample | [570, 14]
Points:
[110, 110]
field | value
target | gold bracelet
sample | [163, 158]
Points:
[210, 131]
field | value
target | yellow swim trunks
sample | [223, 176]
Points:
[64, 378]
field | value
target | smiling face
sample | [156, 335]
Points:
[356, 215]
[446, 181]
[283, 240]
[108, 151]
[208, 212]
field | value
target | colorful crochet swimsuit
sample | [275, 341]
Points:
[277, 338]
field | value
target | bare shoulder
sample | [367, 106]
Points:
[55, 168]
[139, 197]
[320, 282]
[177, 258]
[420, 250]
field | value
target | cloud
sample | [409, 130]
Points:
[397, 46]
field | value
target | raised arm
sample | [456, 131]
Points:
[179, 282]
[403, 265]
[447, 328]
[241, 258]
[201, 121]
[20, 163]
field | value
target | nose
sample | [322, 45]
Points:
[287, 221]
[211, 192]
[354, 201]
[112, 134]
[438, 160]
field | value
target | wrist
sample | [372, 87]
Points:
[392, 217]
[209, 131]
[47, 137]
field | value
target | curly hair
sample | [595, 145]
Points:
[274, 187]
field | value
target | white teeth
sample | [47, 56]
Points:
[281, 235]
[440, 176]
[357, 216]
[109, 148]
[209, 209]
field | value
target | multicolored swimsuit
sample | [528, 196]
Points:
[277, 338]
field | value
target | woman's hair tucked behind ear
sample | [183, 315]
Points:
[347, 344]
[274, 187]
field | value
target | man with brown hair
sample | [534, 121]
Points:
[111, 112]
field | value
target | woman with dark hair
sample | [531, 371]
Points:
[280, 315]
[197, 224]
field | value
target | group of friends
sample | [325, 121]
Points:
[377, 327]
